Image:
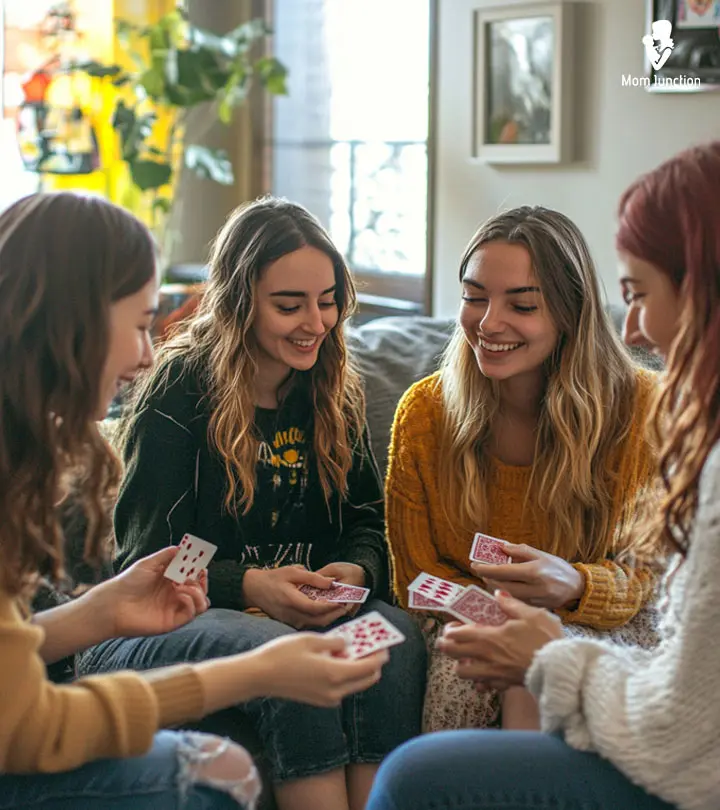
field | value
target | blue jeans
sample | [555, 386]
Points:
[151, 782]
[502, 770]
[298, 740]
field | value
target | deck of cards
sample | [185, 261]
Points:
[337, 592]
[488, 550]
[368, 634]
[192, 558]
[469, 604]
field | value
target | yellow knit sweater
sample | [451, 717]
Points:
[45, 728]
[422, 539]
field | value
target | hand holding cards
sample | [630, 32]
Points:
[468, 604]
[193, 557]
[337, 592]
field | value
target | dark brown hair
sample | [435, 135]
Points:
[64, 259]
[669, 218]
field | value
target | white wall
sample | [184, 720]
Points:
[620, 133]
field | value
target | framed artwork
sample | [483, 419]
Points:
[684, 55]
[523, 82]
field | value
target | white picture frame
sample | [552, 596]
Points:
[523, 82]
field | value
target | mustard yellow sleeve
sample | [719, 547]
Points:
[407, 516]
[49, 728]
[614, 594]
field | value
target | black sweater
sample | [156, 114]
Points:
[175, 482]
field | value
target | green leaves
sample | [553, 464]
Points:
[176, 66]
[213, 164]
[272, 74]
[149, 174]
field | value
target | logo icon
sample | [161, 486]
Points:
[659, 53]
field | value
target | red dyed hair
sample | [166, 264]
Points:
[670, 217]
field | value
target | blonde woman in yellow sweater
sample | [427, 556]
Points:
[533, 432]
[78, 293]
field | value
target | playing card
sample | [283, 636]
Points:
[193, 557]
[337, 592]
[439, 591]
[419, 602]
[475, 606]
[488, 550]
[368, 634]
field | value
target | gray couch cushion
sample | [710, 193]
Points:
[393, 353]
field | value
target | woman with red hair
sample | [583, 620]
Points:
[623, 727]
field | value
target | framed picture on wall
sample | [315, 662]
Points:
[682, 45]
[523, 82]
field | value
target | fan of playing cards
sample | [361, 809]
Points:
[469, 604]
[337, 592]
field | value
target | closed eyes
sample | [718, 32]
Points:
[517, 307]
[290, 310]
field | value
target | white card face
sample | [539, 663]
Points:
[417, 601]
[192, 558]
[440, 591]
[368, 634]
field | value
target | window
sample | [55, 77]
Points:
[350, 141]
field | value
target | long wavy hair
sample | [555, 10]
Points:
[669, 218]
[64, 259]
[218, 343]
[586, 411]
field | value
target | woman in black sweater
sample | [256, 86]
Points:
[250, 433]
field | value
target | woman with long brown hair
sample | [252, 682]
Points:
[251, 434]
[641, 727]
[532, 431]
[78, 294]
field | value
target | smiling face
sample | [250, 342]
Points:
[653, 305]
[296, 309]
[503, 313]
[130, 351]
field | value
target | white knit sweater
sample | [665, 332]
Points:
[654, 714]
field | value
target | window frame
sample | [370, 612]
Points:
[379, 293]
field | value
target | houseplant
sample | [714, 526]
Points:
[173, 67]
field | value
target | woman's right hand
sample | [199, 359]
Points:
[305, 667]
[275, 592]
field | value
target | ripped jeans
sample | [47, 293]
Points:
[182, 771]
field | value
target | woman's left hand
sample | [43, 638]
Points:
[500, 656]
[143, 602]
[534, 576]
[348, 574]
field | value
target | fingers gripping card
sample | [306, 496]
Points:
[193, 557]
[368, 634]
[488, 550]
